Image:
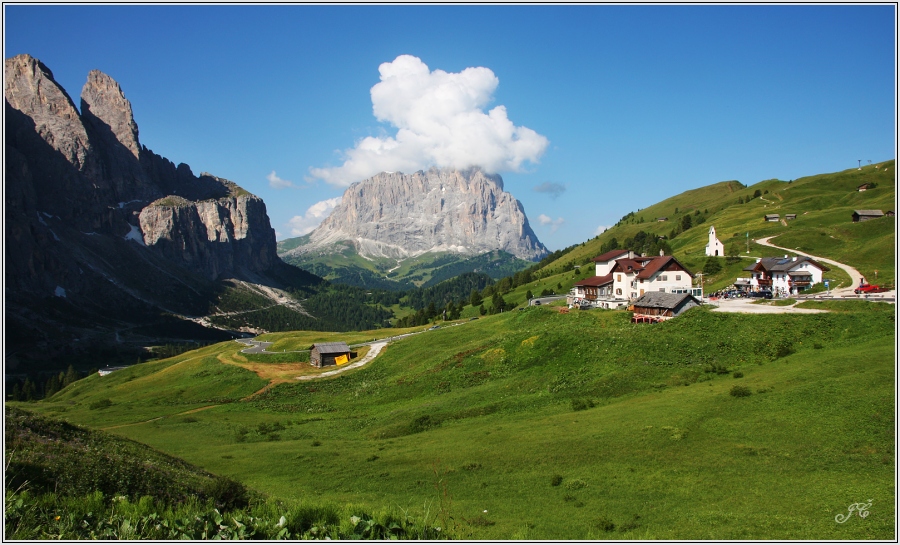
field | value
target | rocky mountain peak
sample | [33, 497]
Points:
[31, 89]
[103, 102]
[399, 215]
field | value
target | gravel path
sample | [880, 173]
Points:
[374, 351]
[854, 274]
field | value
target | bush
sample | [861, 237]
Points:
[582, 404]
[605, 524]
[740, 391]
[227, 494]
[556, 480]
[100, 404]
[738, 374]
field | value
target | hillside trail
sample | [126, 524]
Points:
[855, 275]
[373, 352]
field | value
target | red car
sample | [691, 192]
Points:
[869, 288]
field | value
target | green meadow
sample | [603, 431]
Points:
[533, 424]
[823, 205]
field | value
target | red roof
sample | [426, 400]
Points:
[610, 255]
[646, 267]
[595, 281]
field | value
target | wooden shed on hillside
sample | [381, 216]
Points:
[325, 354]
[772, 217]
[656, 306]
[866, 215]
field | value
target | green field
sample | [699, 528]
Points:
[539, 425]
[823, 203]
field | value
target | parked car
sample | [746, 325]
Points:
[869, 288]
[761, 293]
[434, 327]
[537, 302]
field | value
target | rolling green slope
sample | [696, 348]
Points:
[539, 425]
[348, 267]
[823, 203]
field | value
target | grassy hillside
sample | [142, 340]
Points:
[348, 267]
[823, 204]
[539, 425]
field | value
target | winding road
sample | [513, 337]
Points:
[855, 275]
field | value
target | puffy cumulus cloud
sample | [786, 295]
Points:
[554, 224]
[277, 183]
[315, 214]
[552, 188]
[600, 229]
[440, 121]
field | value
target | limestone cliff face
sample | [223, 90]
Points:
[102, 235]
[222, 237]
[400, 215]
[90, 170]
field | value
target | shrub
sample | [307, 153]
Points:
[556, 480]
[605, 524]
[582, 404]
[227, 494]
[740, 391]
[100, 404]
[738, 374]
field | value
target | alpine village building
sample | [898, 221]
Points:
[621, 277]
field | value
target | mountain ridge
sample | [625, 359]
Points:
[398, 216]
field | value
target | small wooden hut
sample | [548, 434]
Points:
[325, 354]
[657, 306]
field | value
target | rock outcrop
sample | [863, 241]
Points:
[101, 233]
[398, 215]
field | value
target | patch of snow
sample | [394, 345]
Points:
[135, 235]
[122, 204]
[59, 291]
[40, 219]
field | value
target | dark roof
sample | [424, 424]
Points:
[783, 264]
[868, 212]
[610, 255]
[659, 299]
[596, 281]
[331, 348]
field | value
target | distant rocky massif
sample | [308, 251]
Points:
[108, 242]
[394, 217]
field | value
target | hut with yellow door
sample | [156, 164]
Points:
[325, 354]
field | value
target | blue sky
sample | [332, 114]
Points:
[634, 103]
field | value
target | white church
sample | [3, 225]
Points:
[714, 247]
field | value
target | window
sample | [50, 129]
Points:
[618, 278]
[677, 277]
[663, 278]
[618, 291]
[662, 290]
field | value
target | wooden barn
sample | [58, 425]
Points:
[325, 354]
[657, 306]
[866, 215]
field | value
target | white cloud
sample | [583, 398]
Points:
[315, 214]
[277, 183]
[440, 121]
[554, 224]
[600, 229]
